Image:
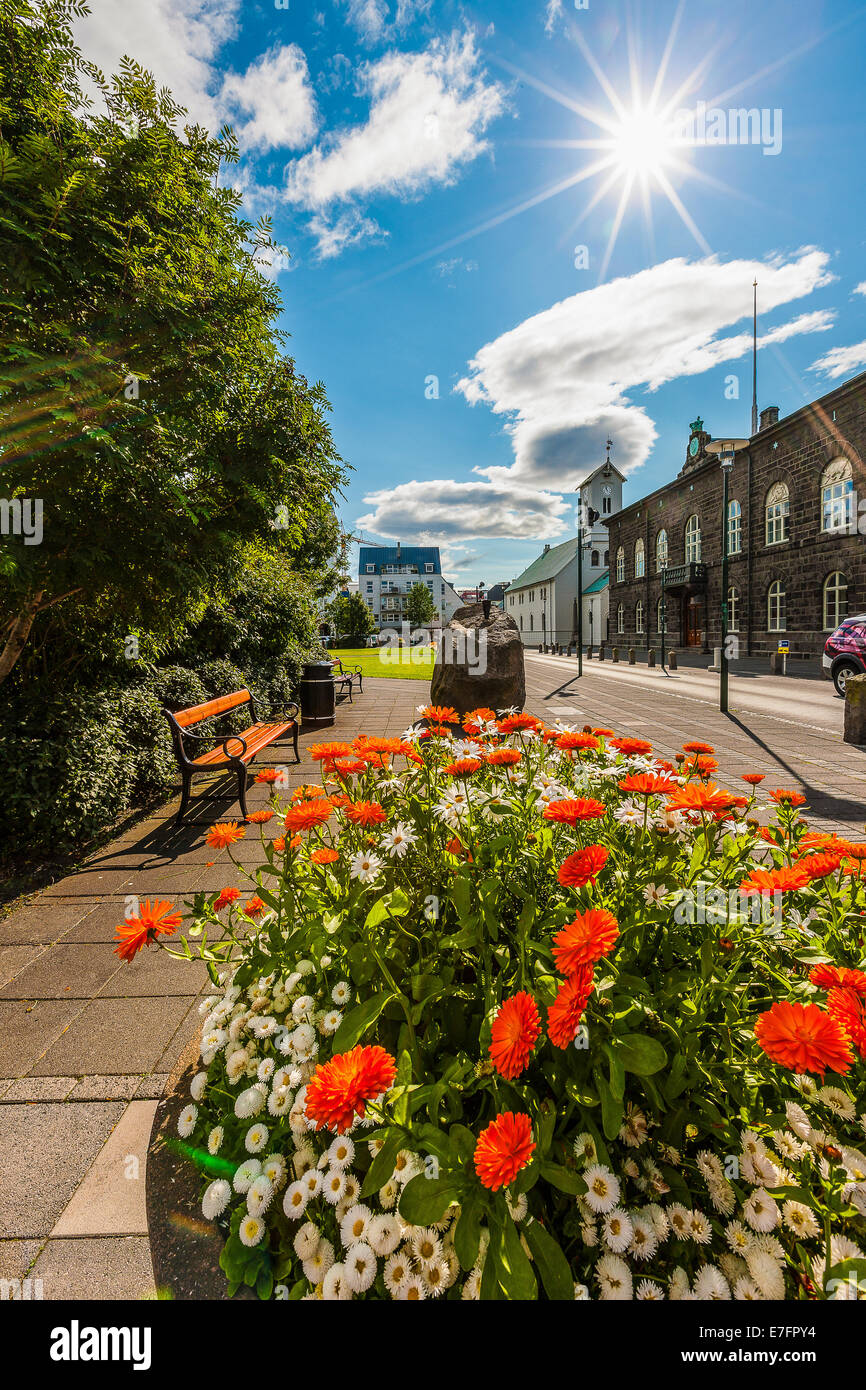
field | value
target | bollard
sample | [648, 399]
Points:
[672, 661]
[589, 652]
[631, 656]
[651, 657]
[601, 652]
[615, 654]
[855, 710]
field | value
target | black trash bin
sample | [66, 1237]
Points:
[317, 695]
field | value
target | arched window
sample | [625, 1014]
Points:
[661, 551]
[835, 600]
[638, 616]
[660, 615]
[778, 510]
[606, 559]
[531, 624]
[776, 619]
[620, 618]
[837, 496]
[594, 560]
[620, 566]
[733, 609]
[735, 527]
[693, 540]
[639, 560]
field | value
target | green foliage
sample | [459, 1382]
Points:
[419, 606]
[351, 617]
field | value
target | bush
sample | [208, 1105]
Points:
[577, 997]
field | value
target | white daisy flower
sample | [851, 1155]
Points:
[644, 1241]
[312, 1181]
[341, 993]
[335, 1286]
[306, 1240]
[215, 1139]
[186, 1121]
[216, 1198]
[518, 1206]
[365, 867]
[274, 1169]
[334, 1186]
[833, 1097]
[388, 1194]
[397, 1270]
[197, 1085]
[614, 1279]
[295, 1200]
[265, 1070]
[250, 1102]
[342, 1152]
[738, 1237]
[678, 1285]
[711, 1284]
[407, 1165]
[260, 1195]
[353, 1226]
[761, 1211]
[251, 1230]
[256, 1137]
[648, 1291]
[280, 1102]
[602, 1188]
[700, 1230]
[585, 1149]
[384, 1233]
[413, 1289]
[246, 1174]
[766, 1274]
[360, 1264]
[616, 1230]
[330, 1022]
[426, 1246]
[317, 1266]
[398, 840]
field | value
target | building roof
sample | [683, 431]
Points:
[600, 469]
[598, 585]
[382, 555]
[548, 565]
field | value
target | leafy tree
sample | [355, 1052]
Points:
[144, 396]
[351, 617]
[419, 606]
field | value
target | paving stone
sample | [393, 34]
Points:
[43, 923]
[111, 1198]
[89, 883]
[33, 1088]
[188, 1029]
[16, 1257]
[151, 1087]
[45, 1150]
[13, 959]
[102, 1267]
[78, 972]
[28, 1029]
[154, 972]
[104, 1088]
[130, 1034]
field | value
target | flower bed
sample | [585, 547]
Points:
[530, 1013]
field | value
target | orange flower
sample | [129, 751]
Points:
[308, 815]
[309, 791]
[631, 747]
[647, 784]
[571, 811]
[153, 921]
[753, 778]
[477, 718]
[848, 1008]
[602, 733]
[513, 1034]
[504, 757]
[228, 895]
[339, 1088]
[463, 767]
[698, 748]
[324, 856]
[703, 796]
[827, 976]
[583, 867]
[514, 723]
[702, 765]
[802, 1038]
[820, 865]
[376, 744]
[854, 851]
[457, 847]
[566, 1011]
[585, 940]
[267, 774]
[225, 833]
[767, 881]
[254, 907]
[505, 1146]
[328, 752]
[347, 766]
[575, 740]
[787, 798]
[365, 813]
[280, 844]
[260, 817]
[440, 714]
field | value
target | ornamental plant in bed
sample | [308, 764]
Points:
[530, 1013]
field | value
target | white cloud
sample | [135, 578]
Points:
[348, 229]
[552, 14]
[861, 288]
[176, 40]
[439, 510]
[276, 96]
[371, 18]
[841, 361]
[273, 263]
[566, 377]
[428, 112]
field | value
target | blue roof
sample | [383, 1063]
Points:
[382, 555]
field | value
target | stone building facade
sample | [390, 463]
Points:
[796, 538]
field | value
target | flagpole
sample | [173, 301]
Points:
[755, 360]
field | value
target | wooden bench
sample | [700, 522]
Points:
[250, 742]
[343, 679]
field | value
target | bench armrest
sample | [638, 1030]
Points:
[234, 738]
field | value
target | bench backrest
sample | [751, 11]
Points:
[224, 703]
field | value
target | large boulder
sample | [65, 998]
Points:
[855, 710]
[480, 662]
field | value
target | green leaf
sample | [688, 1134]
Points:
[844, 1269]
[516, 1274]
[526, 918]
[425, 1200]
[467, 1232]
[617, 1072]
[382, 1166]
[642, 1055]
[358, 1020]
[565, 1179]
[394, 904]
[611, 1108]
[552, 1264]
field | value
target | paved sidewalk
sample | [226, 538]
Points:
[87, 1042]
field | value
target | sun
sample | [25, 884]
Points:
[642, 143]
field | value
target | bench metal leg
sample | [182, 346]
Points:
[184, 800]
[242, 790]
[295, 741]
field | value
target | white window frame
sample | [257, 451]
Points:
[661, 551]
[777, 515]
[777, 598]
[620, 618]
[639, 559]
[840, 602]
[638, 617]
[735, 527]
[693, 540]
[620, 565]
[733, 608]
[837, 497]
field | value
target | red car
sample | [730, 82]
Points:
[845, 652]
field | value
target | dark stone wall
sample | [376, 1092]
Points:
[795, 451]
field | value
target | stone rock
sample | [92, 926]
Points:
[855, 710]
[480, 662]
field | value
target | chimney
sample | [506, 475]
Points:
[769, 417]
[546, 548]
[398, 552]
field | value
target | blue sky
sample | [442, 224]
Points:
[483, 307]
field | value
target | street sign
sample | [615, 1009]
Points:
[784, 648]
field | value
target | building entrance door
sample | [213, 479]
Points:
[693, 612]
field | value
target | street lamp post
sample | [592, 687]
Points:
[592, 517]
[726, 450]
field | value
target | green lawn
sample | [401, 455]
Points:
[405, 663]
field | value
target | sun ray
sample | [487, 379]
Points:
[617, 223]
[661, 73]
[570, 103]
[606, 86]
[684, 213]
